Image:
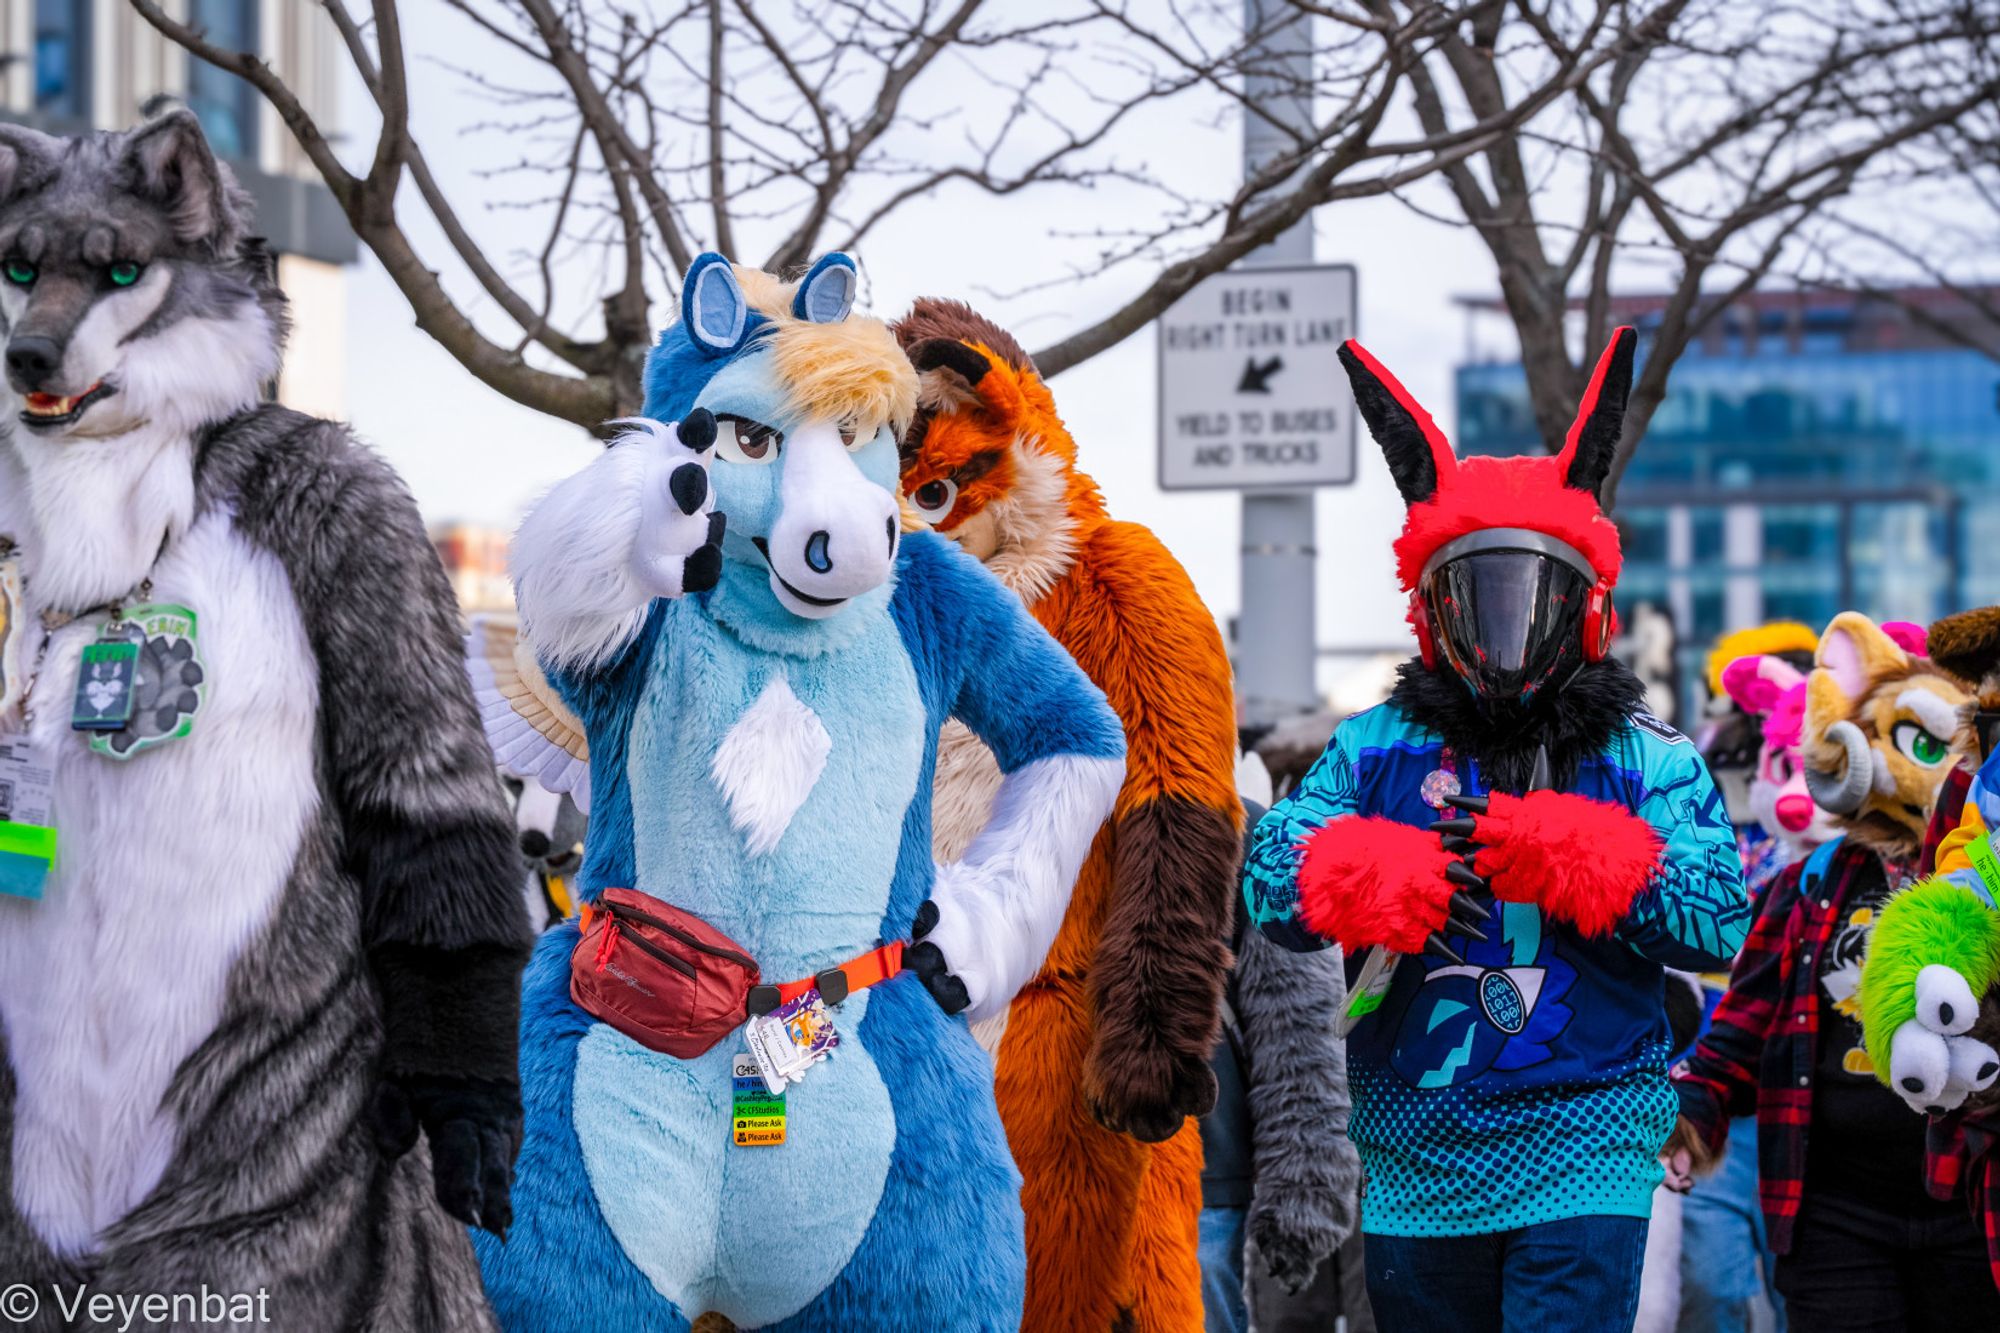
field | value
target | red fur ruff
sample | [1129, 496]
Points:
[1582, 861]
[1368, 881]
[1488, 492]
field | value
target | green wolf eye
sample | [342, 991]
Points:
[124, 273]
[20, 272]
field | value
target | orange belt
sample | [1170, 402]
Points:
[836, 983]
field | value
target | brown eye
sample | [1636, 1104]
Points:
[742, 440]
[934, 499]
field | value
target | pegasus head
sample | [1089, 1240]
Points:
[987, 462]
[809, 402]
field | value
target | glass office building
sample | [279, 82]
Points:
[1816, 452]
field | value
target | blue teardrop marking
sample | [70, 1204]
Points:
[816, 555]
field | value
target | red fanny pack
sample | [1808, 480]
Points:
[675, 984]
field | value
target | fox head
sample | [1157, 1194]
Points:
[987, 461]
[1882, 729]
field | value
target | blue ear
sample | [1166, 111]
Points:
[712, 306]
[827, 294]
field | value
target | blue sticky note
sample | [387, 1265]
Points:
[22, 875]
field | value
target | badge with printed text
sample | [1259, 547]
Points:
[104, 686]
[167, 685]
[791, 1039]
[756, 1114]
[27, 824]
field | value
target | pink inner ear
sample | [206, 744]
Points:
[1840, 657]
[1786, 725]
[1743, 680]
[1911, 638]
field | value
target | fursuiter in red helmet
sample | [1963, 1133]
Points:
[1514, 850]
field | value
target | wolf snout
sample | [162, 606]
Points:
[32, 361]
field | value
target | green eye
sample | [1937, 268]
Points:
[20, 272]
[1919, 745]
[124, 273]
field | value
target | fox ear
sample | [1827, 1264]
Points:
[1592, 444]
[27, 161]
[953, 375]
[168, 160]
[1416, 449]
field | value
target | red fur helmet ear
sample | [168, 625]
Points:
[1592, 443]
[1419, 456]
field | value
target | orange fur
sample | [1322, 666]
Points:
[1111, 1221]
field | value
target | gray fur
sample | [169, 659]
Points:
[395, 948]
[155, 196]
[1308, 1174]
[278, 1184]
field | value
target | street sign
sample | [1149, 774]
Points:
[1252, 395]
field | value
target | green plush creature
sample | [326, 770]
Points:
[1934, 953]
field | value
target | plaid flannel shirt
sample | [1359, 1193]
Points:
[1760, 1050]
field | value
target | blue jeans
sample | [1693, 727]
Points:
[1577, 1275]
[1723, 1242]
[1221, 1249]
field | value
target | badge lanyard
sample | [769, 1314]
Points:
[139, 684]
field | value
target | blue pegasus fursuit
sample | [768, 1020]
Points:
[762, 660]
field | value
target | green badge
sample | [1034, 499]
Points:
[168, 685]
[1980, 852]
[104, 685]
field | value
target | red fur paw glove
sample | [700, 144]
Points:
[1582, 861]
[1367, 881]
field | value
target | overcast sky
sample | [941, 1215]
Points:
[470, 454]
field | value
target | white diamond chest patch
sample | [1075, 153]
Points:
[766, 766]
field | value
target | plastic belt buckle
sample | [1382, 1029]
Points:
[762, 1000]
[832, 985]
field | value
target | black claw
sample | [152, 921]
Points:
[1913, 1084]
[1455, 828]
[688, 484]
[1458, 872]
[717, 523]
[1472, 930]
[927, 919]
[697, 429]
[703, 570]
[1437, 947]
[1986, 1071]
[1466, 904]
[1457, 846]
[1945, 1013]
[1470, 804]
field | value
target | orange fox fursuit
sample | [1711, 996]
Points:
[1104, 1056]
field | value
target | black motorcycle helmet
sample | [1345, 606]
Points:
[1506, 608]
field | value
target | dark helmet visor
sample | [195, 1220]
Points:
[1507, 611]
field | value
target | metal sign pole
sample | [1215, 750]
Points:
[1276, 629]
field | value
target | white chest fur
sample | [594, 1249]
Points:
[167, 867]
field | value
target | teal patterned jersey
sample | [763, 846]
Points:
[1528, 1084]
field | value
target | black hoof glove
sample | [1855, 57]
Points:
[474, 1129]
[927, 961]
